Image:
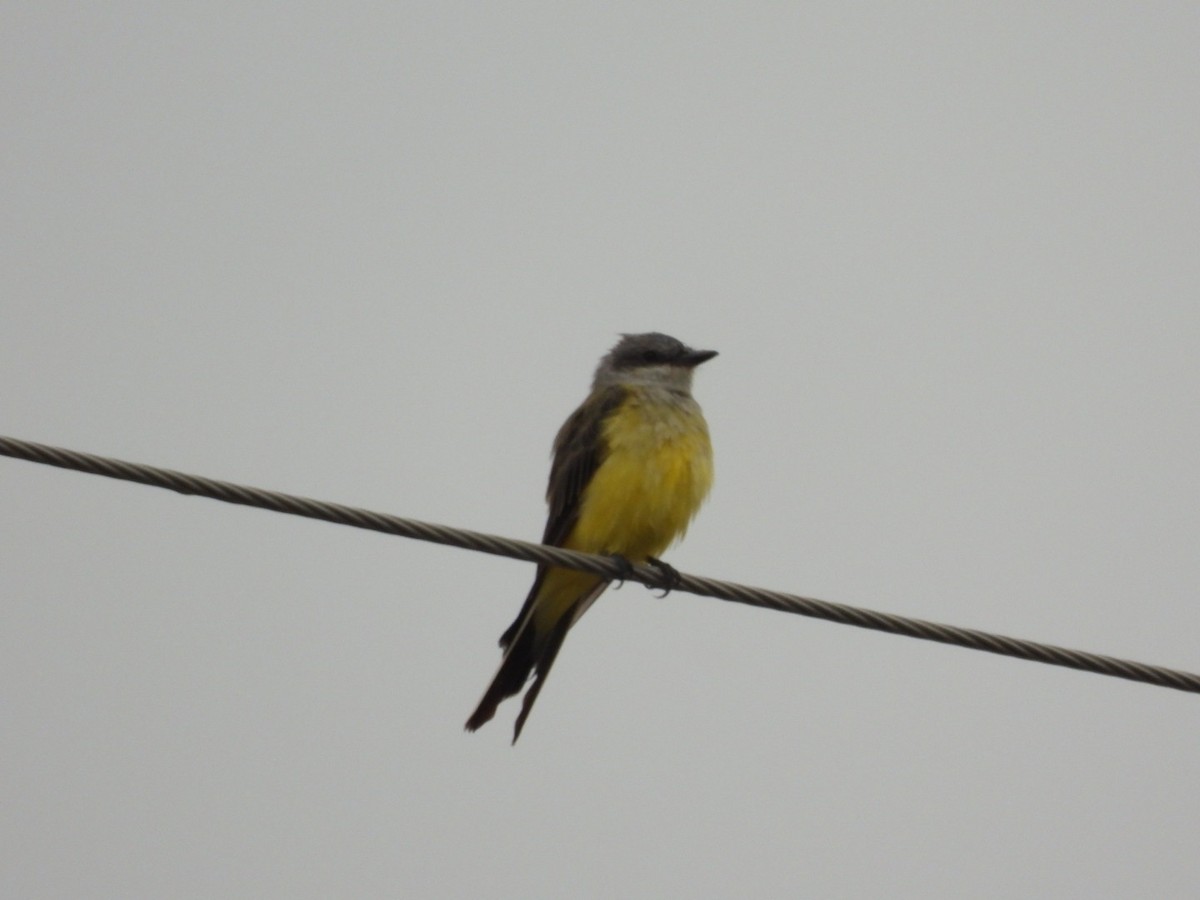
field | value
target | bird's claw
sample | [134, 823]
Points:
[624, 567]
[671, 577]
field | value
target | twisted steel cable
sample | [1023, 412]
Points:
[600, 565]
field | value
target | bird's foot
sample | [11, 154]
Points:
[671, 577]
[624, 567]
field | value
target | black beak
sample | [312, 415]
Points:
[693, 358]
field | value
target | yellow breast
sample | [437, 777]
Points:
[656, 472]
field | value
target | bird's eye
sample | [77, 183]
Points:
[653, 357]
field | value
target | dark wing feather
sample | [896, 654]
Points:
[578, 452]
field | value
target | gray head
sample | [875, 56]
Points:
[651, 359]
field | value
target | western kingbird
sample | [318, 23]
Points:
[631, 467]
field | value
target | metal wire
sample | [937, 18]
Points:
[600, 565]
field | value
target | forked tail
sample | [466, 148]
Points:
[526, 653]
[514, 671]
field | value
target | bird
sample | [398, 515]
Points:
[630, 469]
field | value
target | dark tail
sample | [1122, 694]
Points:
[524, 657]
[514, 671]
[527, 654]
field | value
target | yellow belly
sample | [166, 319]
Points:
[656, 472]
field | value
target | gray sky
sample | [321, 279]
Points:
[371, 254]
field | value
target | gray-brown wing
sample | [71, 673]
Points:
[578, 452]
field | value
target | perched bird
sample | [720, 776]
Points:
[631, 467]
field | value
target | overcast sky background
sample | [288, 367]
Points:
[371, 253]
